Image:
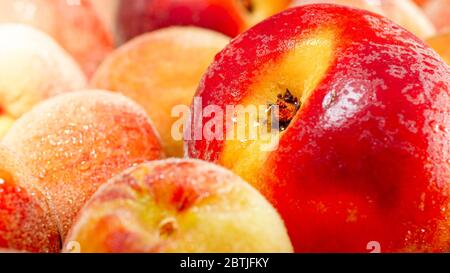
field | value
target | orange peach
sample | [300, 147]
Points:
[74, 24]
[178, 206]
[439, 13]
[26, 222]
[33, 67]
[405, 13]
[441, 43]
[160, 70]
[75, 142]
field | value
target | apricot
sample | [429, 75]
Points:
[75, 142]
[161, 70]
[26, 222]
[178, 206]
[76, 25]
[33, 67]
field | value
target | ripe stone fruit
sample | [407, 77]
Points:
[161, 70]
[178, 206]
[75, 142]
[76, 26]
[26, 222]
[365, 156]
[33, 67]
[230, 17]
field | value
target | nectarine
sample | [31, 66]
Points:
[75, 142]
[364, 152]
[26, 221]
[161, 70]
[404, 12]
[178, 206]
[33, 67]
[74, 24]
[230, 17]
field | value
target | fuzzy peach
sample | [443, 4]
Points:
[161, 70]
[404, 12]
[75, 142]
[33, 67]
[441, 43]
[26, 221]
[363, 151]
[179, 206]
[74, 24]
[230, 17]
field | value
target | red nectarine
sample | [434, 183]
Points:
[364, 155]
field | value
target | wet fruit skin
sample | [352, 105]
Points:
[367, 156]
[178, 206]
[75, 142]
[26, 222]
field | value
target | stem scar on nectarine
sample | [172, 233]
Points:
[248, 5]
[288, 106]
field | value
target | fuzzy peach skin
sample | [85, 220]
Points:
[74, 24]
[26, 222]
[161, 70]
[441, 43]
[33, 67]
[75, 142]
[365, 155]
[439, 13]
[182, 206]
[404, 12]
[229, 17]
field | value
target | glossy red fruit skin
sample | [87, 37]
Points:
[368, 156]
[139, 16]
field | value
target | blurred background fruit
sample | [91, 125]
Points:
[230, 17]
[441, 43]
[404, 12]
[75, 24]
[161, 70]
[33, 67]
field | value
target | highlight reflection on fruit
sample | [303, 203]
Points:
[33, 67]
[74, 24]
[75, 142]
[178, 206]
[366, 156]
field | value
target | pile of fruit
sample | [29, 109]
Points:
[116, 133]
